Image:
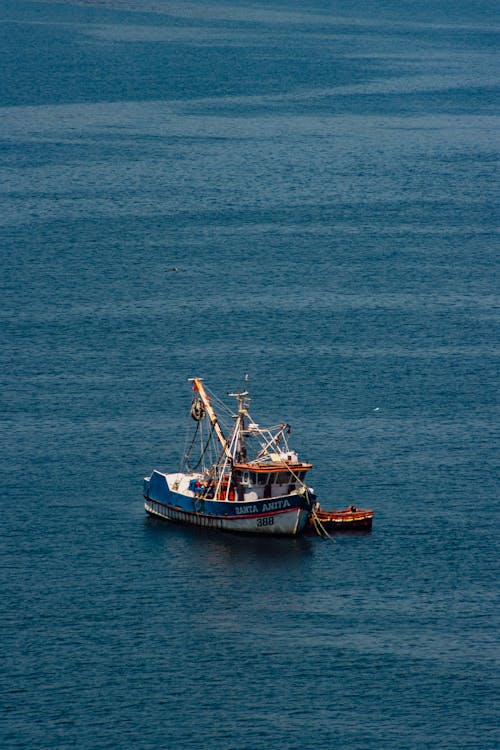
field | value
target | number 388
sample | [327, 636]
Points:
[266, 521]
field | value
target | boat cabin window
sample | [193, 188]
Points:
[283, 477]
[260, 478]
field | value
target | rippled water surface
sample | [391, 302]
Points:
[323, 178]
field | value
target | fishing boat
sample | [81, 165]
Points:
[235, 477]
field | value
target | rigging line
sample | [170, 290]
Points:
[272, 428]
[183, 458]
[187, 454]
[209, 439]
[319, 528]
[224, 422]
[220, 404]
[271, 440]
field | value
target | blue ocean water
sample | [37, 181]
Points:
[324, 178]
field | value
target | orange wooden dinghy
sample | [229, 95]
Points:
[342, 520]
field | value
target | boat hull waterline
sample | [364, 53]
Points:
[278, 516]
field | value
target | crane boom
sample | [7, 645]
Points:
[198, 386]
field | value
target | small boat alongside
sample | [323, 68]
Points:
[241, 478]
[350, 519]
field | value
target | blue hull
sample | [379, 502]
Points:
[286, 515]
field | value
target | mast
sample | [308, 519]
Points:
[198, 386]
[239, 447]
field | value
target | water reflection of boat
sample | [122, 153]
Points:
[250, 481]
